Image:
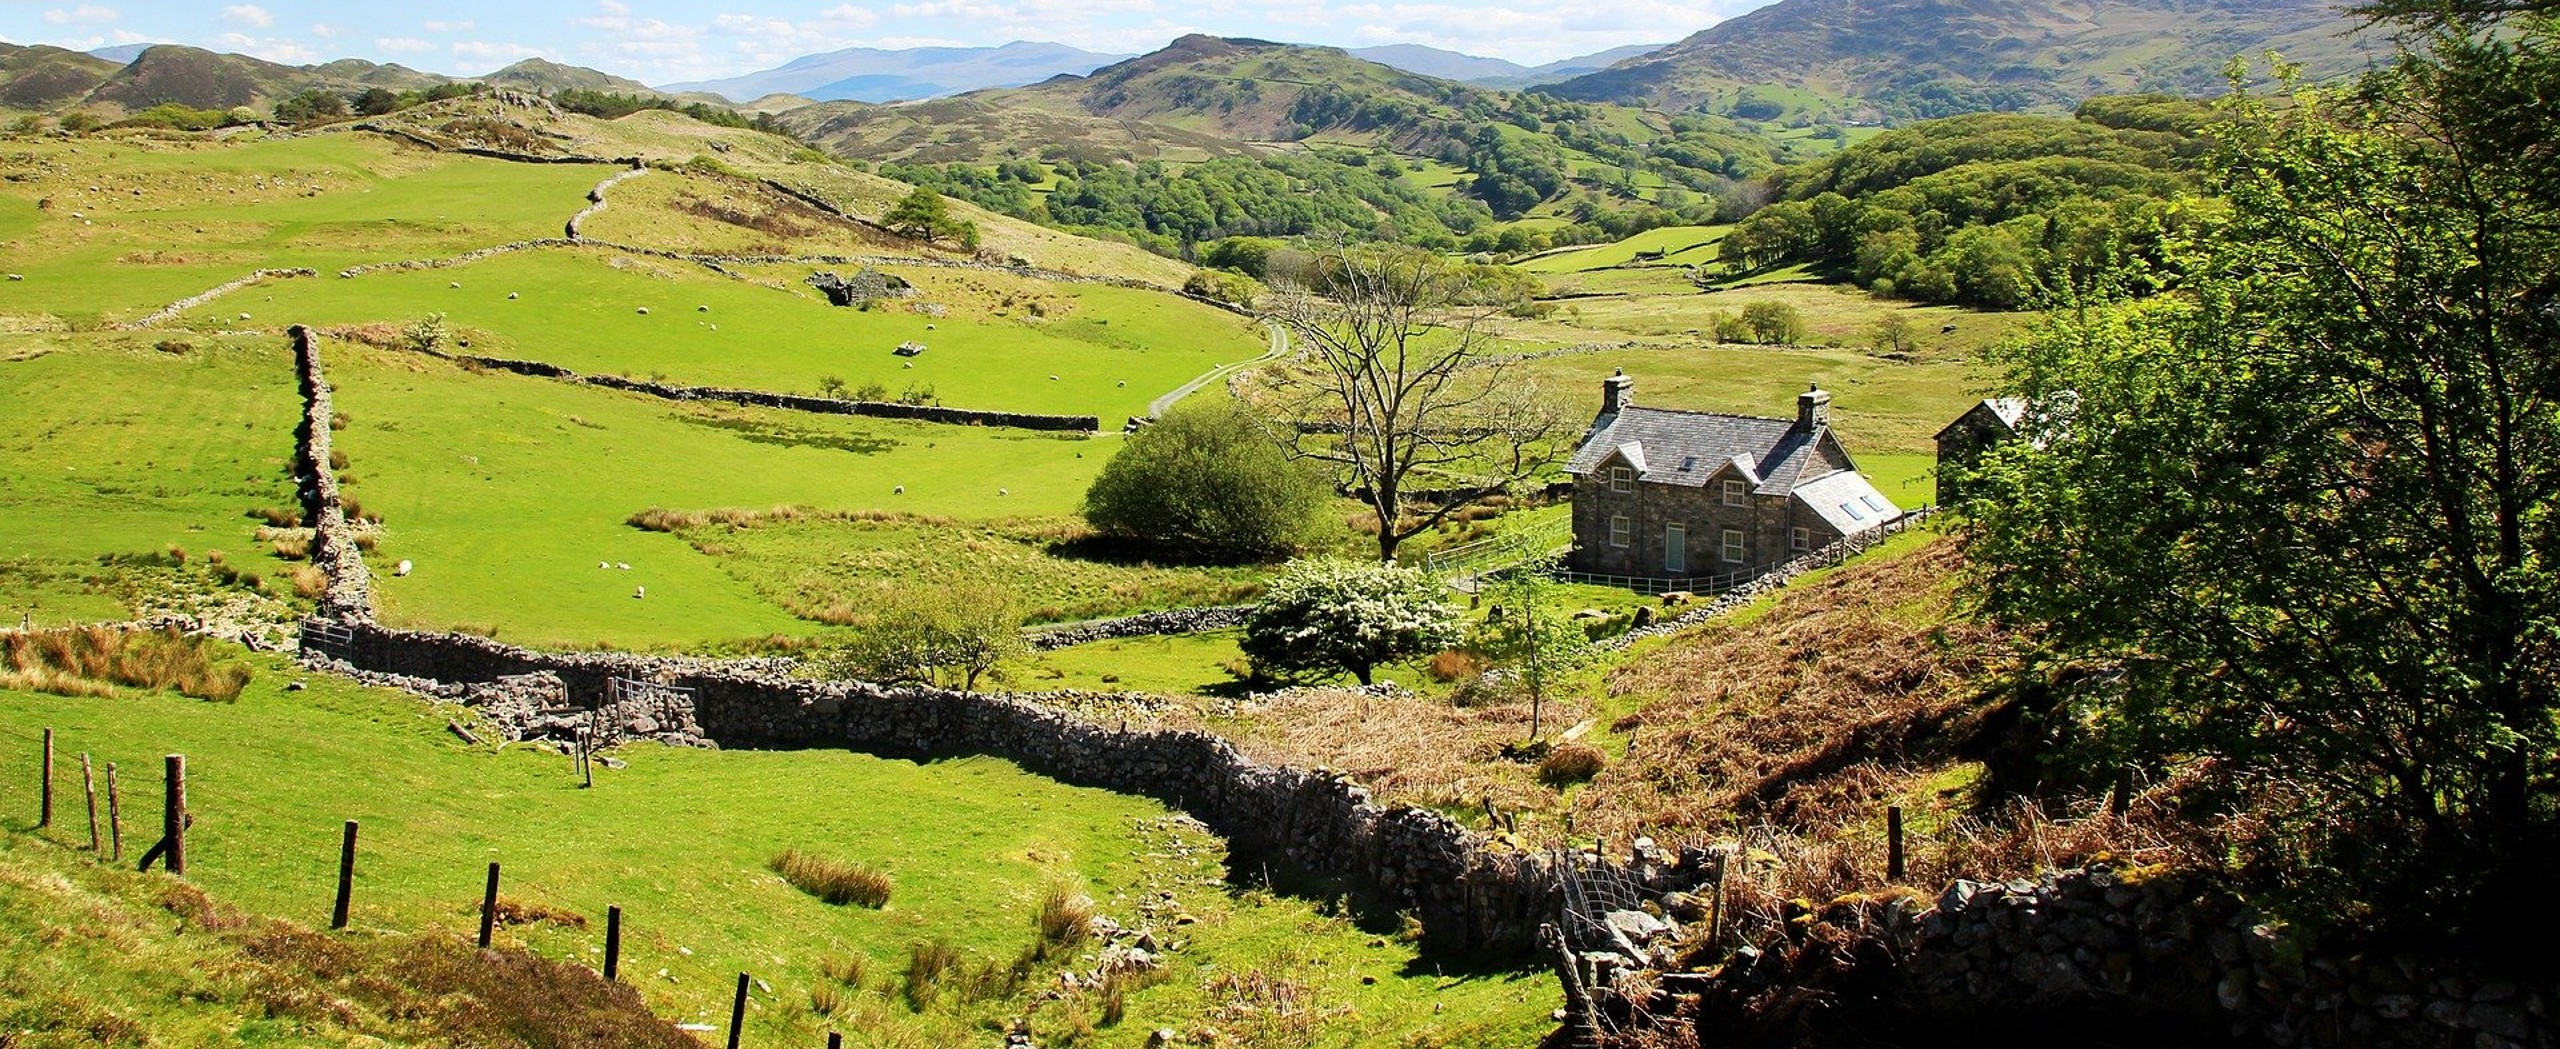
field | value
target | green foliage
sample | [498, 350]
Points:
[918, 633]
[1773, 323]
[613, 105]
[925, 216]
[1990, 210]
[176, 116]
[2293, 530]
[1208, 480]
[427, 335]
[1527, 635]
[1330, 614]
[311, 106]
[1223, 287]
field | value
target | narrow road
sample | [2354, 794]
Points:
[1279, 347]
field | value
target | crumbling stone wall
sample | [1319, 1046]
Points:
[333, 540]
[2179, 958]
[1144, 624]
[171, 311]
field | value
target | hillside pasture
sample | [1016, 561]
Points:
[1112, 349]
[680, 840]
[128, 226]
[114, 453]
[1681, 247]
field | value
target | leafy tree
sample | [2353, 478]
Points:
[311, 106]
[925, 216]
[1773, 323]
[1527, 635]
[1331, 614]
[1398, 371]
[2294, 531]
[1207, 480]
[1894, 334]
[918, 633]
[376, 101]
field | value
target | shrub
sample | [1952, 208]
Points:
[1331, 614]
[1774, 323]
[1571, 763]
[1208, 480]
[1453, 665]
[836, 881]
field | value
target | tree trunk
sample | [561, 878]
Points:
[1362, 672]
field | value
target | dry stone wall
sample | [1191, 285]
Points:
[1144, 624]
[2178, 957]
[333, 539]
[171, 311]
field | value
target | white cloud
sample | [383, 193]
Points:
[325, 31]
[271, 48]
[464, 26]
[402, 45]
[492, 50]
[249, 14]
[85, 14]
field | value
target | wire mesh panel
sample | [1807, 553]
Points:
[1594, 888]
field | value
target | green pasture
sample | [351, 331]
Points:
[506, 492]
[1647, 306]
[1880, 407]
[158, 222]
[1682, 246]
[1110, 349]
[679, 839]
[111, 448]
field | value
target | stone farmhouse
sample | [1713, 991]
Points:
[1667, 497]
[1981, 427]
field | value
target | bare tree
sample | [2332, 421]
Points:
[1398, 387]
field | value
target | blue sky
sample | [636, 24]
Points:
[665, 42]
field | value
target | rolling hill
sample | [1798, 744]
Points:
[1926, 58]
[45, 79]
[1495, 72]
[865, 74]
[41, 77]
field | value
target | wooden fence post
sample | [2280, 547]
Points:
[173, 814]
[44, 814]
[489, 907]
[835, 1040]
[738, 1012]
[346, 878]
[89, 788]
[612, 943]
[1893, 843]
[115, 819]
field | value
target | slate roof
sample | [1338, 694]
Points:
[1847, 502]
[2009, 410]
[1687, 448]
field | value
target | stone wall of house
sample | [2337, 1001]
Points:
[1766, 523]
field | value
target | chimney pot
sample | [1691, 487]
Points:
[1617, 392]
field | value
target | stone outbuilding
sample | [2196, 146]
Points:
[1688, 499]
[1984, 426]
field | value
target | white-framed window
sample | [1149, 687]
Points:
[1736, 494]
[1621, 479]
[1799, 539]
[1732, 546]
[1621, 532]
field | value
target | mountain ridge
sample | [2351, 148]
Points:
[863, 74]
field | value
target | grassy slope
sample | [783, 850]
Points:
[162, 221]
[970, 844]
[1112, 349]
[112, 448]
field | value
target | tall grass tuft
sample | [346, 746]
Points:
[835, 881]
[927, 965]
[90, 661]
[1066, 917]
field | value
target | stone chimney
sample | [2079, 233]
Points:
[1813, 408]
[1617, 392]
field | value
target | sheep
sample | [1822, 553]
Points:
[604, 564]
[453, 284]
[899, 490]
[1004, 491]
[639, 592]
[511, 296]
[402, 568]
[702, 309]
[623, 565]
[644, 311]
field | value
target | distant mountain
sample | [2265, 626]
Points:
[45, 78]
[1925, 58]
[1199, 95]
[538, 74]
[41, 77]
[871, 75]
[1432, 61]
[1495, 72]
[122, 54]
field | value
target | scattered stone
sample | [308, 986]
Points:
[296, 685]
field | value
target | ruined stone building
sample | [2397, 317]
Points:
[1986, 424]
[1663, 495]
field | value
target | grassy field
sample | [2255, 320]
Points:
[112, 450]
[1682, 247]
[131, 226]
[1110, 349]
[970, 845]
